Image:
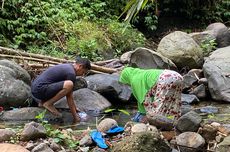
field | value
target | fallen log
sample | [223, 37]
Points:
[28, 59]
[20, 55]
[4, 50]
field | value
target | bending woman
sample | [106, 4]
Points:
[157, 91]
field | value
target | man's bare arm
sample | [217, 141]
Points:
[72, 107]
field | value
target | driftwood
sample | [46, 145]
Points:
[45, 61]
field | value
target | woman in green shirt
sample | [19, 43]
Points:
[157, 91]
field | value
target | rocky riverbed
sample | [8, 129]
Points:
[203, 126]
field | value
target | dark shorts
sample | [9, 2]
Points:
[47, 91]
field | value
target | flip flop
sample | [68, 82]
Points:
[98, 139]
[115, 130]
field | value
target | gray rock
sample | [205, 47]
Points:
[24, 114]
[216, 68]
[185, 109]
[109, 88]
[140, 127]
[190, 139]
[6, 134]
[188, 81]
[200, 91]
[152, 60]
[20, 73]
[189, 98]
[33, 130]
[125, 58]
[42, 148]
[221, 33]
[54, 146]
[13, 91]
[161, 122]
[30, 145]
[106, 124]
[21, 114]
[189, 122]
[144, 142]
[181, 49]
[85, 100]
[207, 109]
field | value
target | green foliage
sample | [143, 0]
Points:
[211, 116]
[133, 7]
[208, 45]
[147, 17]
[124, 40]
[202, 11]
[60, 28]
[223, 10]
[56, 134]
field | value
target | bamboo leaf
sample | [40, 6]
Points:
[124, 111]
[127, 7]
[109, 110]
[139, 4]
[144, 3]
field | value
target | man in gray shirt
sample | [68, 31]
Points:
[57, 82]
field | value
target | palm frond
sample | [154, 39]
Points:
[132, 8]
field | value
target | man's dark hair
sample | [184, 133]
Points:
[83, 61]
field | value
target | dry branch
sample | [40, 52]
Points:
[27, 58]
[20, 55]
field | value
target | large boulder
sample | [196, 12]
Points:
[181, 49]
[21, 74]
[25, 114]
[14, 85]
[86, 100]
[108, 86]
[216, 68]
[148, 59]
[221, 33]
[144, 141]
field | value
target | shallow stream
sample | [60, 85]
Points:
[94, 117]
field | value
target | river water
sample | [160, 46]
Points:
[94, 117]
